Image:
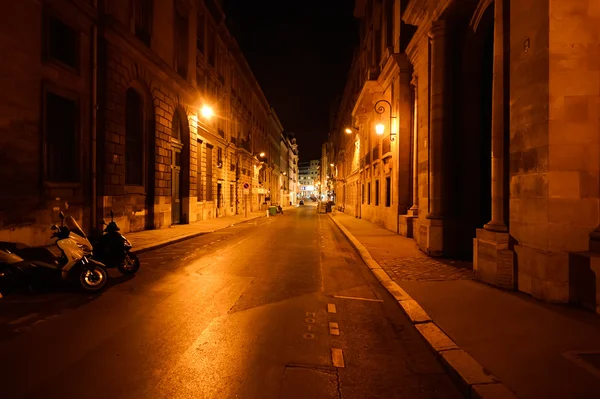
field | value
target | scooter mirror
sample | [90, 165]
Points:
[112, 215]
[54, 227]
[62, 215]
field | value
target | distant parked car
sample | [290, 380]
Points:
[301, 202]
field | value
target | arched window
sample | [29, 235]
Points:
[134, 139]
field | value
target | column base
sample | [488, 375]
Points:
[431, 237]
[493, 262]
[406, 223]
[413, 211]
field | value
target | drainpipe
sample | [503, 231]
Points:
[94, 118]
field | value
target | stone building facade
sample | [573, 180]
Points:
[494, 147]
[165, 121]
[46, 106]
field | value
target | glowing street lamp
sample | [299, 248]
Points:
[206, 112]
[348, 130]
[380, 109]
[262, 155]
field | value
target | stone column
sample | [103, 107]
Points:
[493, 260]
[414, 209]
[437, 35]
[497, 223]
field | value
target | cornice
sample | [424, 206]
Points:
[416, 12]
[369, 87]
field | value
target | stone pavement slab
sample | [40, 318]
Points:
[150, 239]
[524, 343]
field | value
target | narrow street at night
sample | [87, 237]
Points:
[244, 312]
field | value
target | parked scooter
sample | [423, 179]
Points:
[113, 249]
[39, 264]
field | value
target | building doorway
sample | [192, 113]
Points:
[469, 191]
[179, 168]
[176, 178]
[219, 199]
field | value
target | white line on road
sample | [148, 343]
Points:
[337, 356]
[357, 298]
[331, 308]
[22, 319]
[334, 328]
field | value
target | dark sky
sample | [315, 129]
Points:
[300, 53]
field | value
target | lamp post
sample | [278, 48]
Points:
[380, 128]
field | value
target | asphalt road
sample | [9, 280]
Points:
[240, 313]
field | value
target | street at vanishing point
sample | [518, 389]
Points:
[277, 307]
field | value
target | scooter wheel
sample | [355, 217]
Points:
[130, 264]
[93, 280]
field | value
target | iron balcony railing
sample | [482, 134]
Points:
[376, 152]
[386, 146]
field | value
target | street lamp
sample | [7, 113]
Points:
[206, 112]
[349, 129]
[262, 155]
[379, 128]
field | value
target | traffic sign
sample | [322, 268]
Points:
[246, 186]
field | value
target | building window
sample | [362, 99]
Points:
[388, 192]
[61, 141]
[231, 195]
[134, 138]
[219, 157]
[211, 50]
[181, 43]
[376, 192]
[201, 32]
[369, 193]
[62, 42]
[209, 167]
[199, 182]
[142, 19]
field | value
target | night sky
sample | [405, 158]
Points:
[300, 53]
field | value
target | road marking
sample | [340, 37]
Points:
[337, 356]
[331, 308]
[309, 320]
[357, 298]
[22, 319]
[334, 328]
[310, 314]
[309, 336]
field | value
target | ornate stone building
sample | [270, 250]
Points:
[490, 141]
[148, 109]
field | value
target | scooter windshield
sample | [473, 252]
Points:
[74, 227]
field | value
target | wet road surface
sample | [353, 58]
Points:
[246, 312]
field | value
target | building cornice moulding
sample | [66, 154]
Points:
[416, 12]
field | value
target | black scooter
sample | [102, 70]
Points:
[113, 249]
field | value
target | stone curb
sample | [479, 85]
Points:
[164, 243]
[471, 378]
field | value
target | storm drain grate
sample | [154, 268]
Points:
[588, 360]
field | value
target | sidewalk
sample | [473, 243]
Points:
[150, 239]
[535, 349]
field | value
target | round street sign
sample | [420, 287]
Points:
[246, 185]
